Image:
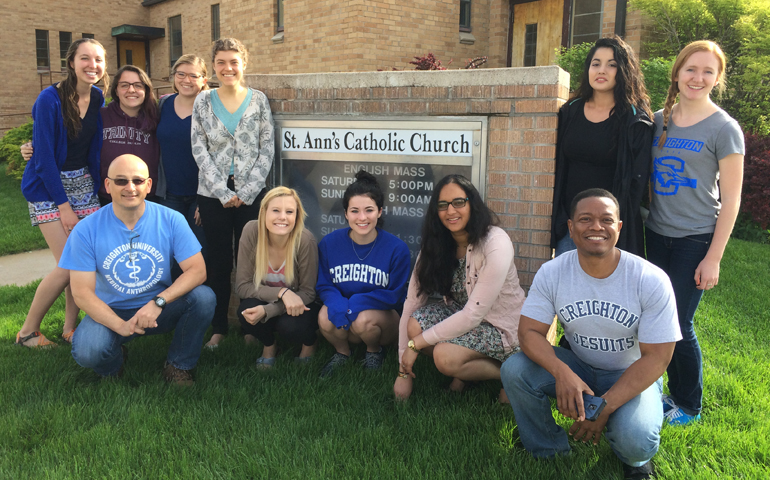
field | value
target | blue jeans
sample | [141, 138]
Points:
[633, 430]
[186, 205]
[564, 245]
[679, 257]
[97, 347]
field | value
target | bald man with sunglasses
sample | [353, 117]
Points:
[120, 271]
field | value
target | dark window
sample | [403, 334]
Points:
[465, 15]
[175, 38]
[129, 57]
[586, 21]
[215, 22]
[41, 46]
[530, 45]
[279, 20]
[65, 40]
[88, 35]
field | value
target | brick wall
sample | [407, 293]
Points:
[521, 104]
[320, 36]
[355, 35]
[634, 27]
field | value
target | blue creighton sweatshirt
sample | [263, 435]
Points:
[348, 285]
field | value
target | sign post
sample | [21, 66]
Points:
[319, 159]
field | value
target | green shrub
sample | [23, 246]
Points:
[747, 229]
[571, 60]
[657, 78]
[741, 28]
[9, 149]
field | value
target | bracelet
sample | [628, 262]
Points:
[412, 346]
[403, 375]
[280, 297]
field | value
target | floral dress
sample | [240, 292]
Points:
[484, 338]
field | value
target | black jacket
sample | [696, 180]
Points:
[632, 175]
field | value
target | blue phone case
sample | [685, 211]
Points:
[593, 406]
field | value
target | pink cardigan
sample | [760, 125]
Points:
[494, 295]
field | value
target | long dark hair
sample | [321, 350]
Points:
[629, 81]
[148, 113]
[438, 249]
[68, 88]
[366, 185]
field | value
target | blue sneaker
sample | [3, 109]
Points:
[668, 404]
[676, 416]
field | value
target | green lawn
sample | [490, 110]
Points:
[16, 233]
[60, 421]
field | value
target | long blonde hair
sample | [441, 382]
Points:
[292, 246]
[673, 89]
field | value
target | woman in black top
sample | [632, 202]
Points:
[605, 141]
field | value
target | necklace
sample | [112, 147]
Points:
[353, 244]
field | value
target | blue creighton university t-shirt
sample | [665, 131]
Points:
[132, 266]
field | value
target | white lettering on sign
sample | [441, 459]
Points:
[445, 143]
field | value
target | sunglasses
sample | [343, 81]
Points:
[122, 182]
[457, 203]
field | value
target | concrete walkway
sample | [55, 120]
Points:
[23, 268]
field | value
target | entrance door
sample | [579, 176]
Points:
[133, 53]
[547, 15]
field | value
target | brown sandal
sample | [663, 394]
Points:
[41, 343]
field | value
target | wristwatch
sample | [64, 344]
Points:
[411, 346]
[160, 302]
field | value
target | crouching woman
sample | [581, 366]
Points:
[276, 277]
[468, 261]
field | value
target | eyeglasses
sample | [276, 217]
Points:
[126, 86]
[457, 203]
[122, 182]
[192, 76]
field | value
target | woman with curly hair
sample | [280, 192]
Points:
[604, 141]
[468, 261]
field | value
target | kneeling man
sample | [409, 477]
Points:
[619, 317]
[120, 272]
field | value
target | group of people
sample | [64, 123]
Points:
[138, 268]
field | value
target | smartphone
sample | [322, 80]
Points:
[593, 406]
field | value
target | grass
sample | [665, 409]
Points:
[16, 233]
[60, 421]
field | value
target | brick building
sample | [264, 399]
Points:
[299, 36]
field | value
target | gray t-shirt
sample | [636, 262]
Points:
[685, 172]
[605, 319]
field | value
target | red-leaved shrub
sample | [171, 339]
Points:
[755, 199]
[428, 62]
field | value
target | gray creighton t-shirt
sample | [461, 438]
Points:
[605, 319]
[685, 172]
